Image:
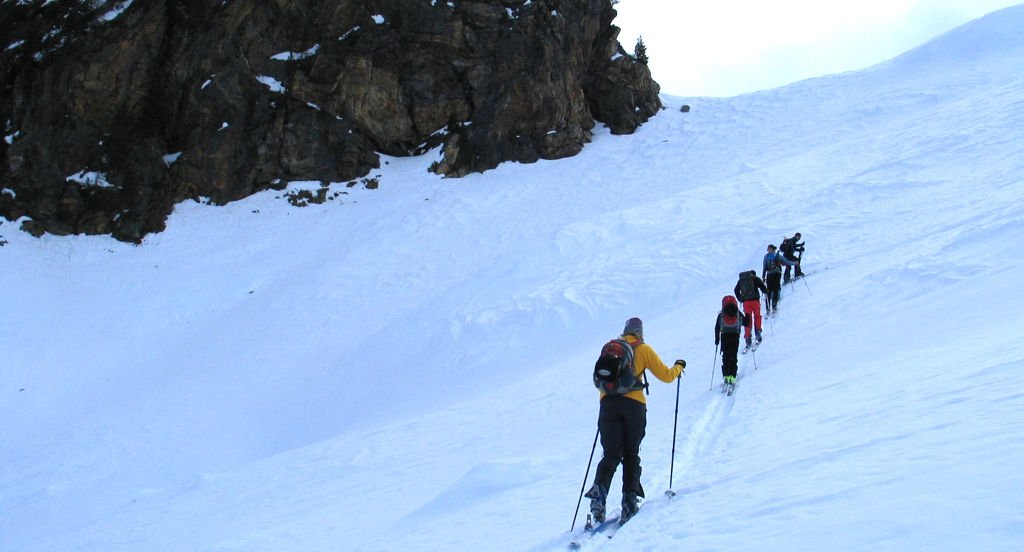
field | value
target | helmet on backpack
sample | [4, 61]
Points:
[613, 372]
[729, 306]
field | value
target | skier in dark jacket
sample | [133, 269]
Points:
[623, 423]
[727, 332]
[771, 273]
[746, 291]
[789, 248]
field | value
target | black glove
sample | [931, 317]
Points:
[716, 342]
[681, 363]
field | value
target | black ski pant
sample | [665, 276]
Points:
[623, 423]
[730, 346]
[774, 285]
[796, 268]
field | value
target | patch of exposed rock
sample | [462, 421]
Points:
[114, 111]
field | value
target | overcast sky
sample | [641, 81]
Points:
[730, 47]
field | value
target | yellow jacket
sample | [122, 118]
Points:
[644, 358]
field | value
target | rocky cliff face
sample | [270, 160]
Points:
[113, 111]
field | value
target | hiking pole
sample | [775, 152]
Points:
[713, 363]
[754, 353]
[585, 477]
[805, 284]
[671, 467]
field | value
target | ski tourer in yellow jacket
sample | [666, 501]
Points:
[644, 358]
[622, 424]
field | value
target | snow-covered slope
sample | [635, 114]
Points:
[408, 368]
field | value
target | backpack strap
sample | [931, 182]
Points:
[646, 386]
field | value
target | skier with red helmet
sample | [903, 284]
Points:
[728, 325]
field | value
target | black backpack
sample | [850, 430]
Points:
[613, 371]
[747, 287]
[788, 246]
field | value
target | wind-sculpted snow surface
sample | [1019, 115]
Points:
[409, 368]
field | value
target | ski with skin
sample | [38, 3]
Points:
[610, 532]
[593, 529]
[607, 528]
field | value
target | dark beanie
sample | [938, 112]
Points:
[634, 327]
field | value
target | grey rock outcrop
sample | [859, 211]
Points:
[115, 111]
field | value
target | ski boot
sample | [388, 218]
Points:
[597, 495]
[629, 507]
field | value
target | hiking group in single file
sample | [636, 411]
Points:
[620, 375]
